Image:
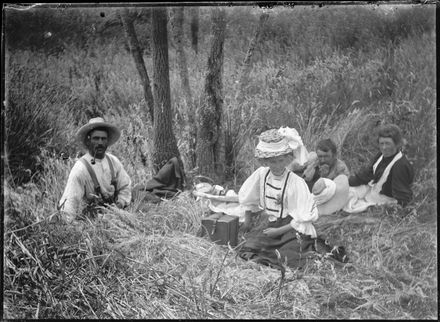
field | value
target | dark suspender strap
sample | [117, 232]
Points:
[264, 189]
[112, 170]
[93, 176]
[282, 194]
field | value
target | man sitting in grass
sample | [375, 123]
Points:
[388, 177]
[326, 177]
[325, 164]
[97, 178]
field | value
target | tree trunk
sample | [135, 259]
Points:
[195, 28]
[130, 32]
[164, 141]
[189, 112]
[210, 109]
[177, 27]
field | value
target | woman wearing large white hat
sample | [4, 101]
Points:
[284, 201]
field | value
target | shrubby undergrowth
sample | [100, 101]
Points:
[322, 73]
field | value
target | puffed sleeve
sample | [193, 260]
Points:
[402, 175]
[301, 207]
[73, 192]
[249, 193]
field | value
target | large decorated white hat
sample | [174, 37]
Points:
[98, 122]
[271, 144]
[276, 142]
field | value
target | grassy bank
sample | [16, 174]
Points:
[147, 261]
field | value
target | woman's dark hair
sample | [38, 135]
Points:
[390, 131]
[326, 145]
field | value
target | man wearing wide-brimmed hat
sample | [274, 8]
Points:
[97, 178]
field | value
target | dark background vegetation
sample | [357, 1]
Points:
[335, 71]
[311, 35]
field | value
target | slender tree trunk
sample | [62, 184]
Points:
[130, 32]
[189, 117]
[164, 141]
[210, 110]
[195, 28]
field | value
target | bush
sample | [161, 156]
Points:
[146, 262]
[30, 125]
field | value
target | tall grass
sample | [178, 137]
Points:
[342, 100]
[147, 261]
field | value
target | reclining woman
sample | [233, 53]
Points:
[387, 179]
[286, 205]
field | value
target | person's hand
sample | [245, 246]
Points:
[271, 232]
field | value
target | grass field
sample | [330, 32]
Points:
[147, 261]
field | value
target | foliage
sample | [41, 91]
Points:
[319, 98]
[147, 261]
[31, 103]
[54, 95]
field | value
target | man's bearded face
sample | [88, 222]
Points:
[98, 143]
[326, 160]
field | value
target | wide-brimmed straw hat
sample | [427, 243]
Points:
[272, 144]
[98, 122]
[338, 199]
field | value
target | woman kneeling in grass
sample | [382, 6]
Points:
[287, 204]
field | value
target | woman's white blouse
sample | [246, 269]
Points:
[258, 194]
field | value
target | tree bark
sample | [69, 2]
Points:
[136, 52]
[210, 111]
[189, 113]
[177, 27]
[195, 28]
[164, 141]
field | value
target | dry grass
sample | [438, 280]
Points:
[148, 262]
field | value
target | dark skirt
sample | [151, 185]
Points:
[291, 249]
